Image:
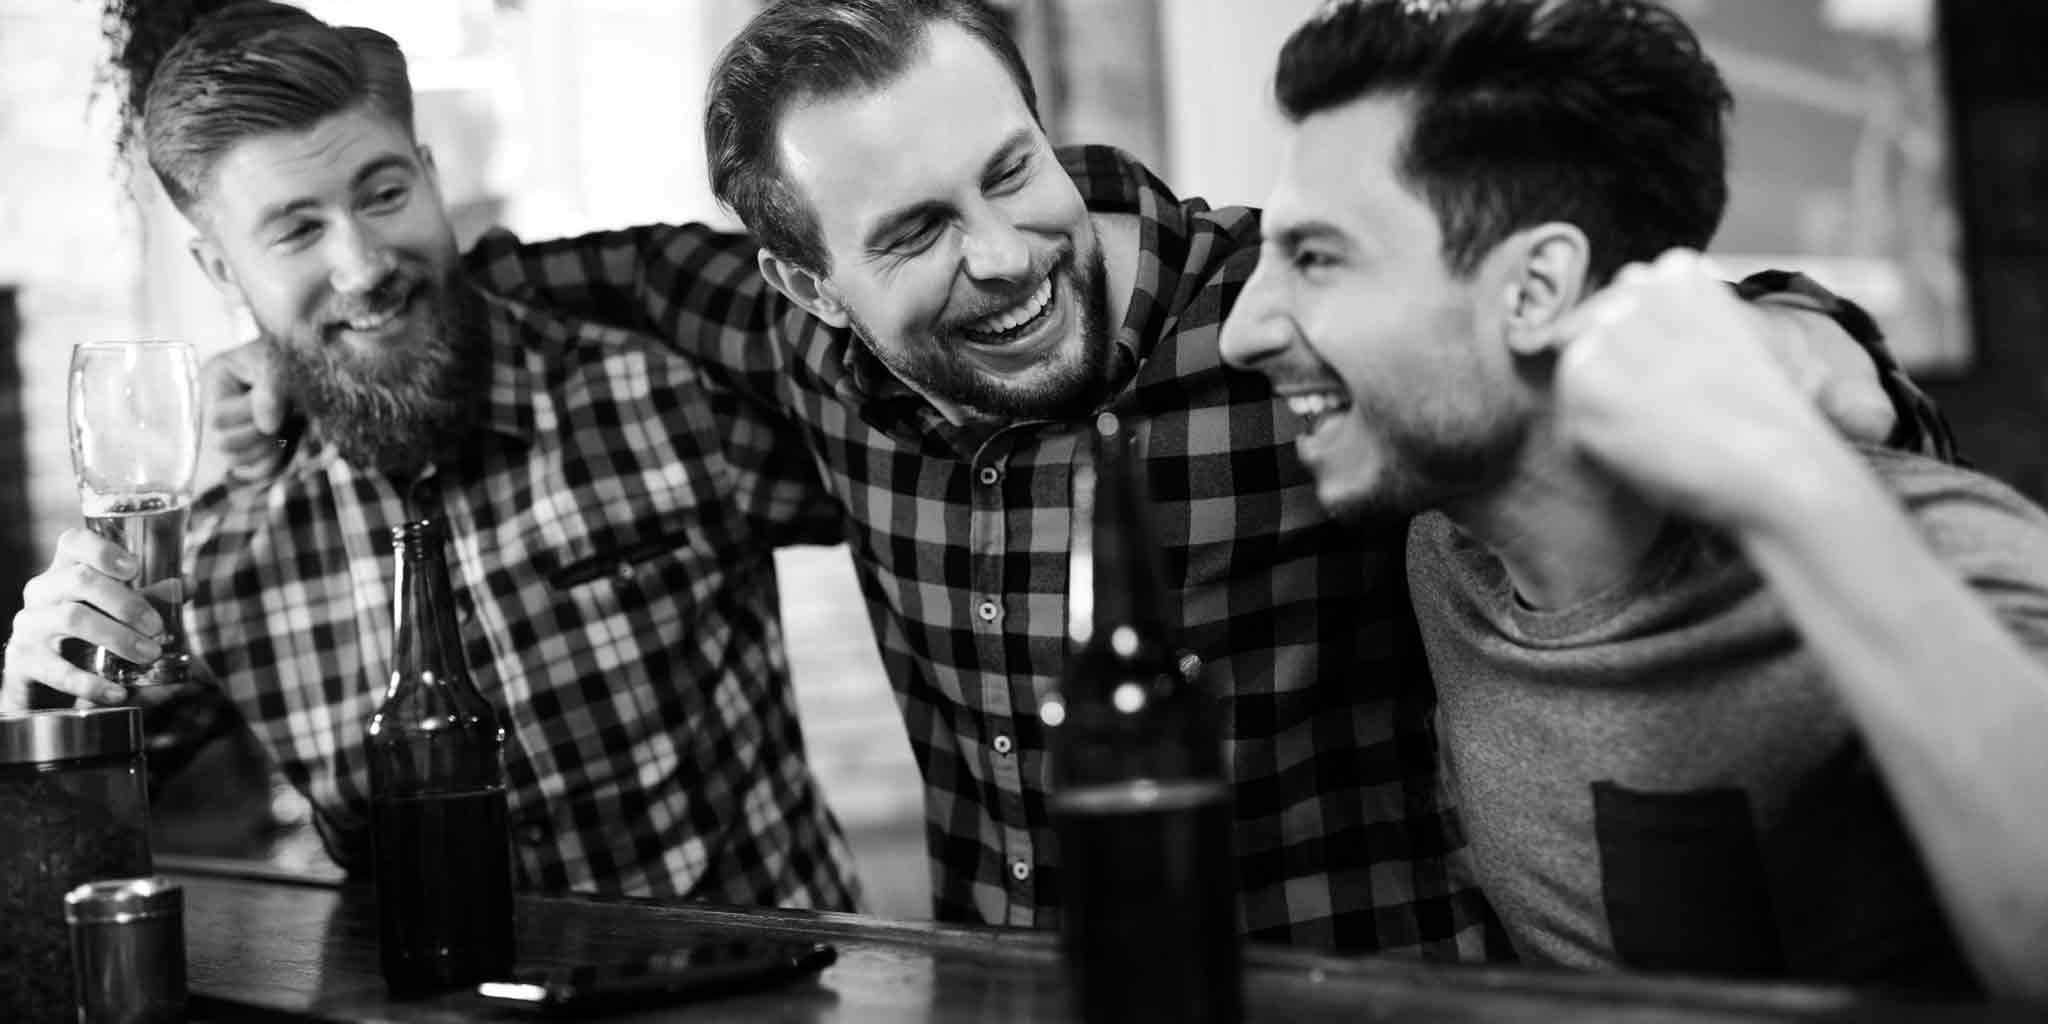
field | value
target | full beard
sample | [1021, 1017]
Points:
[1066, 391]
[410, 403]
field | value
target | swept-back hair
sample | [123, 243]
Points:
[801, 50]
[1602, 113]
[202, 76]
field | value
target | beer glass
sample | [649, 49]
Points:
[134, 449]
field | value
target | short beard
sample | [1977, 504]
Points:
[411, 405]
[1074, 392]
[1425, 473]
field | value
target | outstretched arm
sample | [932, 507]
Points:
[1665, 380]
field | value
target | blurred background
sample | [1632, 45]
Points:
[1891, 148]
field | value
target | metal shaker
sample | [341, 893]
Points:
[128, 950]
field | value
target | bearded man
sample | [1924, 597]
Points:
[611, 519]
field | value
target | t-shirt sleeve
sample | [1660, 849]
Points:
[1992, 536]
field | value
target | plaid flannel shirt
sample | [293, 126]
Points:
[961, 546]
[1343, 837]
[611, 542]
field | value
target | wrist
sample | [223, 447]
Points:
[1803, 488]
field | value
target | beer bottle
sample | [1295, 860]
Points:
[437, 793]
[1141, 798]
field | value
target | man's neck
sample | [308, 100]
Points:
[1118, 235]
[1564, 531]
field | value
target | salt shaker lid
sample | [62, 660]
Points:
[119, 900]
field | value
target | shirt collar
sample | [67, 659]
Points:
[512, 407]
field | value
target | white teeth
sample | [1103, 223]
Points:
[370, 323]
[1022, 312]
[1317, 403]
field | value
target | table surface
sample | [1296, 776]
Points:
[268, 948]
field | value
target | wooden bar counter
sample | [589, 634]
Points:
[280, 948]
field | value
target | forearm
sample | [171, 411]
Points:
[1953, 706]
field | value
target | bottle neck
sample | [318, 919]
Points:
[1126, 616]
[426, 645]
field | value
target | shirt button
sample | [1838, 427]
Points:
[625, 572]
[988, 611]
[989, 476]
[1003, 745]
[1020, 870]
[532, 833]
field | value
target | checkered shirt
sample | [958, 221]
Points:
[611, 558]
[961, 546]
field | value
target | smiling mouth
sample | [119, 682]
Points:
[1015, 323]
[376, 319]
[1316, 407]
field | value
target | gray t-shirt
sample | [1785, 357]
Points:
[1661, 778]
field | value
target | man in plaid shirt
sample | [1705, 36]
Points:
[950, 297]
[612, 567]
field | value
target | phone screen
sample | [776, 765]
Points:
[666, 977]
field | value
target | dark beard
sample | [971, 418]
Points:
[1427, 473]
[1075, 393]
[411, 405]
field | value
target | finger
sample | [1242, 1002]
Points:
[246, 440]
[266, 395]
[28, 663]
[127, 625]
[83, 549]
[225, 413]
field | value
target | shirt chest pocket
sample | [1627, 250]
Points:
[627, 551]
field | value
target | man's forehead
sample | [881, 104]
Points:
[334, 151]
[913, 138]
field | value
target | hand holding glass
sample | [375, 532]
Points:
[135, 450]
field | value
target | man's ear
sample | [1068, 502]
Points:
[805, 288]
[207, 253]
[1545, 276]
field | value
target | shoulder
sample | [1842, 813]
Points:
[1112, 181]
[1993, 537]
[1959, 506]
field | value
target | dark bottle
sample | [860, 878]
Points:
[437, 794]
[1141, 797]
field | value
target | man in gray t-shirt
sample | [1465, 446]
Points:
[1717, 692]
[1661, 776]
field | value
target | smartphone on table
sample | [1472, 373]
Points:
[703, 971]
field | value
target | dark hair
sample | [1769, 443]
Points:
[202, 77]
[1601, 113]
[798, 50]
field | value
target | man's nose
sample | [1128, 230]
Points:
[994, 250]
[359, 258]
[1257, 327]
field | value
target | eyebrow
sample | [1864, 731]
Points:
[1291, 235]
[369, 170]
[882, 234]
